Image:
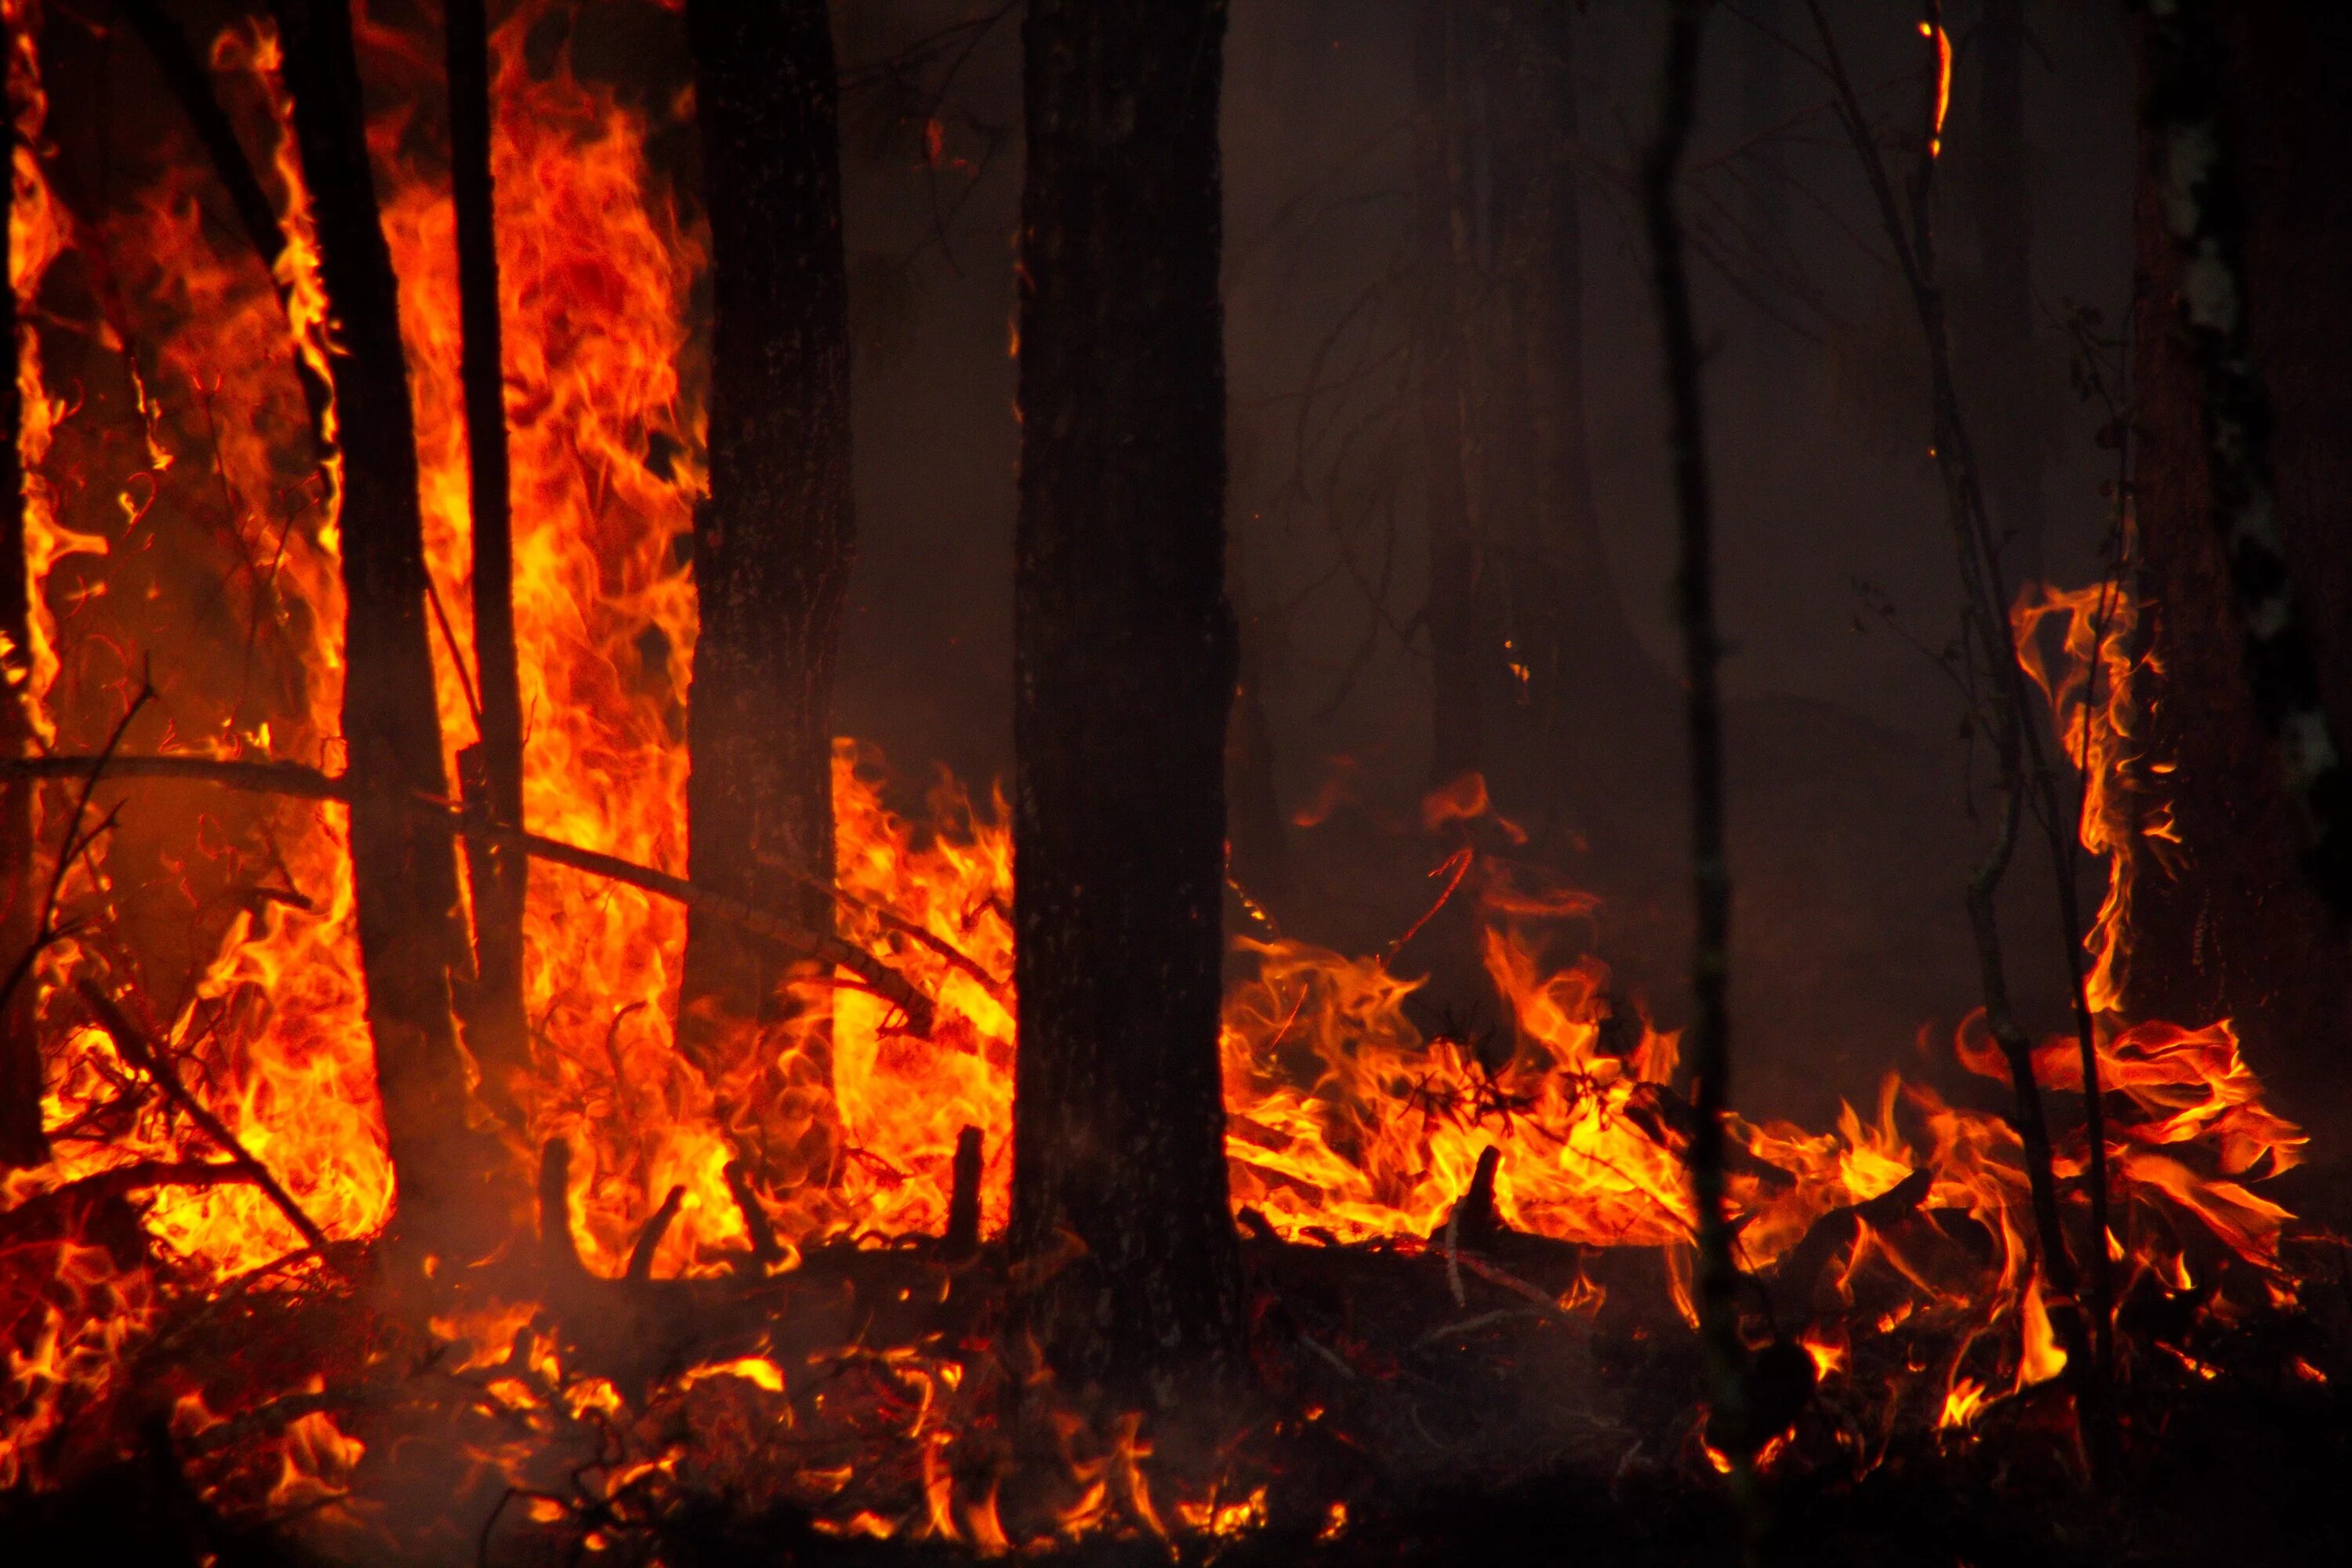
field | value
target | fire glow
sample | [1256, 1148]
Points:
[1349, 1125]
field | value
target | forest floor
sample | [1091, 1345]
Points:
[1409, 1404]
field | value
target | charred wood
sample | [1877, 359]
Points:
[964, 1198]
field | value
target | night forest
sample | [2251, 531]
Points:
[1329, 781]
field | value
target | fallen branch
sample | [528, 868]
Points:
[303, 783]
[136, 1048]
[112, 1186]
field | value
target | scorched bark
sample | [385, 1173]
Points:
[773, 543]
[1124, 652]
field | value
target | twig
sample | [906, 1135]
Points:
[120, 1182]
[2017, 744]
[74, 844]
[140, 1051]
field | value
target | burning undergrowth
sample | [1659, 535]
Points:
[760, 1299]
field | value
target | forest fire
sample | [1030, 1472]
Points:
[726, 1274]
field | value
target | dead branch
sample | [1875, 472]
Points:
[30, 1216]
[766, 1250]
[140, 1051]
[2017, 744]
[650, 1240]
[305, 782]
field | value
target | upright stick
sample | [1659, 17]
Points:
[1710, 1030]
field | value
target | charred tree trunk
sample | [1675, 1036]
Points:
[1125, 665]
[1452, 615]
[496, 877]
[773, 543]
[22, 1141]
[2000, 334]
[404, 869]
[2240, 931]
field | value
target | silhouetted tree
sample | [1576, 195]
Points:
[2256, 419]
[1124, 670]
[498, 878]
[404, 870]
[773, 543]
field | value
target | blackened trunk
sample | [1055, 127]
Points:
[2240, 931]
[2001, 335]
[773, 543]
[1125, 665]
[404, 869]
[497, 877]
[22, 1142]
[1452, 616]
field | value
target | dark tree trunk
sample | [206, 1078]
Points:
[1999, 332]
[1125, 665]
[2240, 931]
[405, 872]
[773, 543]
[22, 1142]
[1452, 615]
[498, 878]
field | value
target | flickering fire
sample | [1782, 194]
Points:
[1347, 1124]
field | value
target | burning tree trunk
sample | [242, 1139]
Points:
[403, 870]
[22, 1141]
[773, 543]
[2241, 931]
[1124, 662]
[498, 878]
[1453, 554]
